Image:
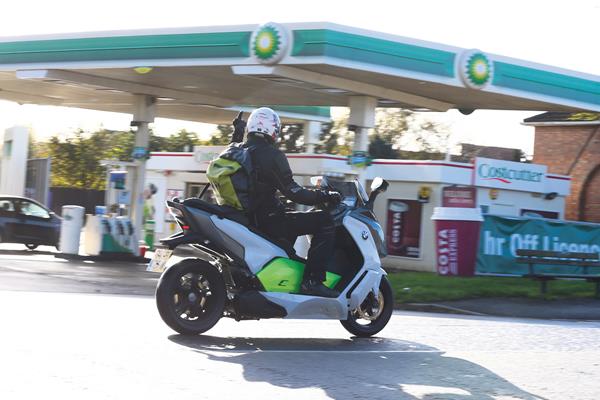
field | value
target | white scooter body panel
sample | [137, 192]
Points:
[257, 251]
[309, 307]
[370, 283]
[313, 307]
[362, 237]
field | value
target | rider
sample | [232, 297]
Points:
[273, 173]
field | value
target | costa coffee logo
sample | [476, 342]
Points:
[447, 251]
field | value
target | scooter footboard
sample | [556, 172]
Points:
[309, 307]
[366, 282]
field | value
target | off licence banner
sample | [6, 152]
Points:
[502, 236]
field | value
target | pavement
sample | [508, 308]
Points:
[568, 309]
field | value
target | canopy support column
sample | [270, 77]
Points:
[362, 118]
[312, 131]
[143, 115]
[13, 161]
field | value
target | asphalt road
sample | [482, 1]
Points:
[62, 337]
[41, 270]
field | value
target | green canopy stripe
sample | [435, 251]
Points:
[198, 45]
[546, 83]
[324, 42]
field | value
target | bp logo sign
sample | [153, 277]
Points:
[269, 43]
[475, 69]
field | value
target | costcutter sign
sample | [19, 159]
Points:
[510, 175]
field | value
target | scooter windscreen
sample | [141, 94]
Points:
[350, 191]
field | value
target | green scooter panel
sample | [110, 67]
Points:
[285, 275]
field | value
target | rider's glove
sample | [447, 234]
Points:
[333, 198]
[239, 125]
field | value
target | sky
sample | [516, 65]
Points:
[554, 32]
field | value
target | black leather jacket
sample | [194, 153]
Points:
[274, 173]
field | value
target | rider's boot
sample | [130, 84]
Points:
[313, 287]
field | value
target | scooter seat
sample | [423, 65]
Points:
[239, 217]
[220, 211]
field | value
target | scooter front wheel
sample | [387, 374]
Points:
[190, 296]
[373, 314]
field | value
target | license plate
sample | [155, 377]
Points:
[159, 261]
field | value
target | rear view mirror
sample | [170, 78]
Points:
[379, 184]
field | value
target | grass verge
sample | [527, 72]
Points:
[426, 287]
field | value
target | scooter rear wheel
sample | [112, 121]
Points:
[190, 296]
[372, 315]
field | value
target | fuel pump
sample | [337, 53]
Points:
[118, 192]
[113, 232]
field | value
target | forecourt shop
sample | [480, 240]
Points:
[405, 210]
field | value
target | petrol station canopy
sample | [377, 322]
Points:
[208, 73]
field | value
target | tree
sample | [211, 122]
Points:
[76, 160]
[335, 137]
[291, 134]
[397, 133]
[221, 136]
[179, 141]
[292, 138]
[380, 148]
[402, 133]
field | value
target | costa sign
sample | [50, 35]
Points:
[510, 175]
[447, 251]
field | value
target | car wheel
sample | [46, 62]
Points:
[31, 246]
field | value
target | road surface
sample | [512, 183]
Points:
[64, 336]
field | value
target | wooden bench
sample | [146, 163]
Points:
[537, 257]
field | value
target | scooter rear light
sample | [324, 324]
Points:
[176, 212]
[185, 227]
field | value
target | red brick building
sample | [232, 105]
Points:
[569, 144]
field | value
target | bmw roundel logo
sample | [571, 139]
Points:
[365, 235]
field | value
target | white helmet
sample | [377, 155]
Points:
[265, 121]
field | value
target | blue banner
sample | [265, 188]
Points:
[500, 238]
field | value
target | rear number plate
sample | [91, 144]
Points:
[159, 261]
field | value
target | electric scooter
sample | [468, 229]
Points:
[243, 274]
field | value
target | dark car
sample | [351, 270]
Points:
[26, 221]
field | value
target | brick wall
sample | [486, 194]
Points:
[590, 197]
[559, 148]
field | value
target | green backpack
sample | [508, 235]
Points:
[232, 177]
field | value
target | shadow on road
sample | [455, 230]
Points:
[374, 368]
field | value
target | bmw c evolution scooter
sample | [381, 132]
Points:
[243, 274]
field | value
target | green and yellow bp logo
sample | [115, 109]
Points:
[475, 69]
[269, 43]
